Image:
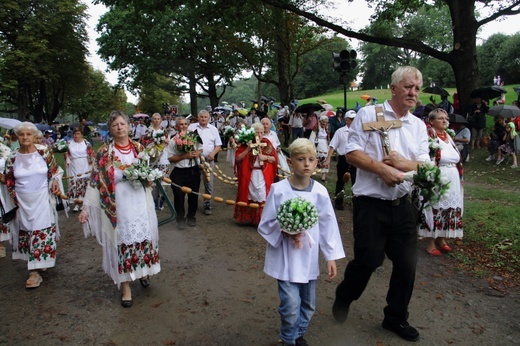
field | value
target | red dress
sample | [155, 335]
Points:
[243, 171]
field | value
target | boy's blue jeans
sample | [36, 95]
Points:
[297, 305]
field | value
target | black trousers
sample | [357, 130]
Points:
[382, 228]
[342, 168]
[189, 177]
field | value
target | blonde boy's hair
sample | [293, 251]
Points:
[302, 146]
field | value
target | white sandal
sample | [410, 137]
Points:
[34, 280]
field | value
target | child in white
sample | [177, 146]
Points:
[297, 267]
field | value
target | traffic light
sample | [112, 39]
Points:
[344, 61]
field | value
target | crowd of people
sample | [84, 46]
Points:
[118, 206]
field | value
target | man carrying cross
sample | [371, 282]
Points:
[385, 141]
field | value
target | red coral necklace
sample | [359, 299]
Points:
[124, 149]
[443, 136]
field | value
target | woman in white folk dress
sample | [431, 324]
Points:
[33, 177]
[120, 214]
[78, 158]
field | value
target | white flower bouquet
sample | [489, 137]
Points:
[297, 215]
[228, 131]
[139, 172]
[245, 135]
[60, 146]
[159, 138]
[434, 147]
[430, 183]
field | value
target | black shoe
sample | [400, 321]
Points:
[340, 311]
[126, 303]
[301, 342]
[404, 330]
[145, 282]
[339, 207]
[192, 223]
[181, 225]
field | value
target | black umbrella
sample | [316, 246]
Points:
[306, 107]
[436, 90]
[488, 93]
[457, 119]
[272, 99]
[254, 101]
[265, 99]
[517, 89]
[505, 111]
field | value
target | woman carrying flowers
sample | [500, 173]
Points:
[118, 209]
[443, 219]
[256, 165]
[156, 141]
[79, 157]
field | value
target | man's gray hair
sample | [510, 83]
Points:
[398, 74]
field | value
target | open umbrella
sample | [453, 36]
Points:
[242, 111]
[517, 89]
[8, 123]
[505, 111]
[44, 127]
[306, 107]
[276, 105]
[436, 90]
[224, 109]
[365, 97]
[457, 119]
[488, 93]
[140, 115]
[327, 106]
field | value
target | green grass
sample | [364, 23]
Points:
[336, 98]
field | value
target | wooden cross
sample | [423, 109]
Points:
[257, 146]
[382, 126]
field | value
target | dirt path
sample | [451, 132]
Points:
[212, 291]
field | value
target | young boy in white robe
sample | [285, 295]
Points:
[296, 267]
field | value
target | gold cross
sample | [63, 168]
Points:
[257, 146]
[382, 126]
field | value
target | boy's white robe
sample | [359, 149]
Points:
[283, 261]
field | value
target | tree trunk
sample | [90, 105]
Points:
[463, 57]
[283, 52]
[193, 93]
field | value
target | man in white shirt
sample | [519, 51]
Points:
[385, 220]
[138, 130]
[339, 144]
[185, 172]
[211, 144]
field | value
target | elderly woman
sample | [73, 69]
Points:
[121, 214]
[256, 170]
[156, 141]
[78, 158]
[33, 177]
[444, 220]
